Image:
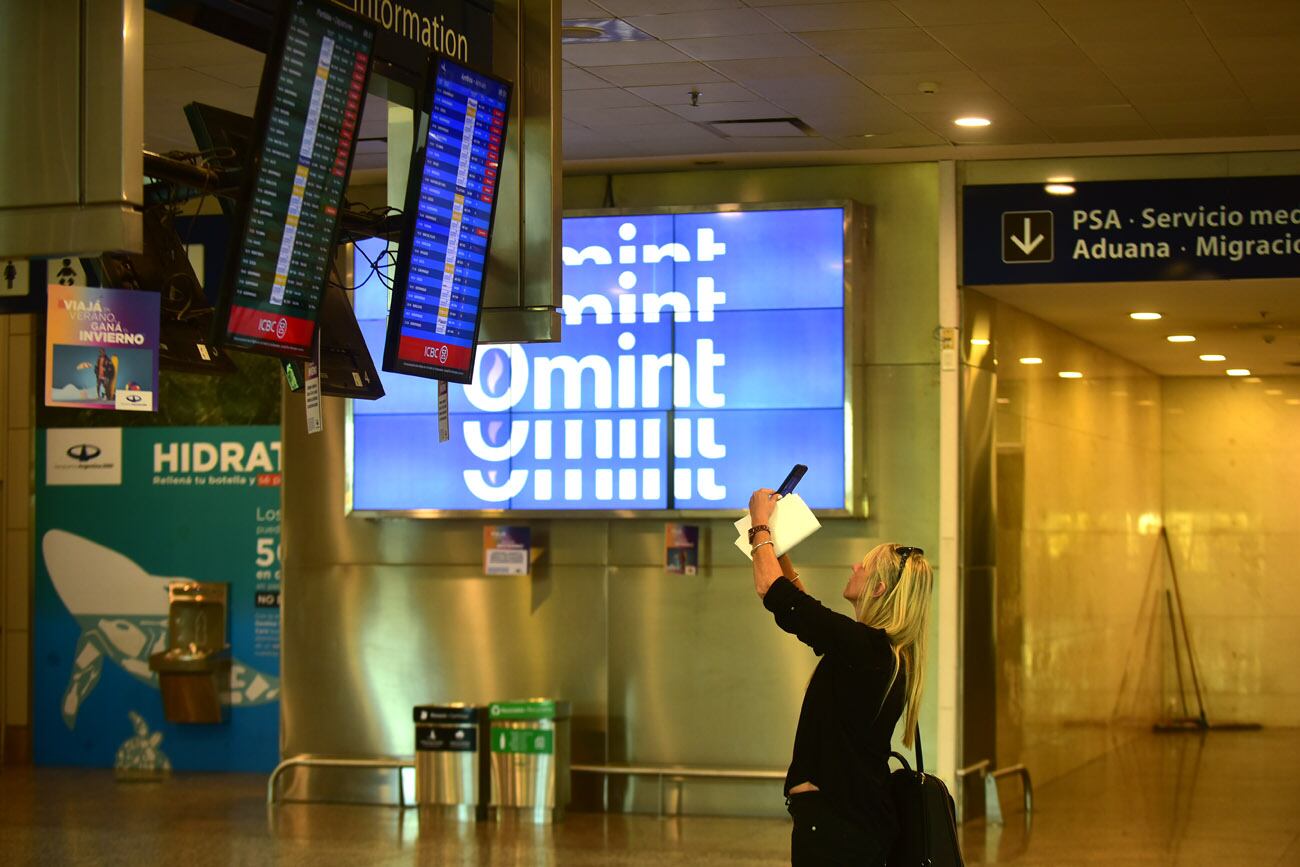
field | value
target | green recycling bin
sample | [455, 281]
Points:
[528, 742]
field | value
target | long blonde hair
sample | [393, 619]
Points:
[903, 613]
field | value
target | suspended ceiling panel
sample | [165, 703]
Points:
[895, 73]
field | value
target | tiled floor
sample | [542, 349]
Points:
[1223, 799]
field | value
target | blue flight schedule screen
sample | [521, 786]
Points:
[437, 300]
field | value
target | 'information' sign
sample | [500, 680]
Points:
[1115, 231]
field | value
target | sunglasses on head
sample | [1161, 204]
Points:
[904, 552]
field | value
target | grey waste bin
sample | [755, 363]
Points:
[448, 758]
[529, 757]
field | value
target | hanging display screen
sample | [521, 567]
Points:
[308, 109]
[704, 351]
[451, 197]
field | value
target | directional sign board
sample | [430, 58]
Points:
[1027, 236]
[1110, 231]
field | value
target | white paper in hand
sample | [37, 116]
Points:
[791, 522]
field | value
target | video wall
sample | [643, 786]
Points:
[702, 354]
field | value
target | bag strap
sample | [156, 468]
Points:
[920, 791]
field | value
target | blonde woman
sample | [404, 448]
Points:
[871, 673]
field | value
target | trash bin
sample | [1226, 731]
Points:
[529, 758]
[448, 759]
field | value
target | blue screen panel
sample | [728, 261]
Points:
[730, 453]
[702, 355]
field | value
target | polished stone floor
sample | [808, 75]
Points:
[1221, 799]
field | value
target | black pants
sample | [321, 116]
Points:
[824, 838]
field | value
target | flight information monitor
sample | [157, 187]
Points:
[307, 114]
[442, 261]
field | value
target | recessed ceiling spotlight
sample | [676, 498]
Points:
[1252, 379]
[1293, 401]
[1059, 189]
[1031, 359]
[1061, 179]
[1069, 374]
[973, 121]
[1181, 338]
[1214, 357]
[1145, 316]
[980, 341]
[1003, 401]
[1237, 371]
[1273, 391]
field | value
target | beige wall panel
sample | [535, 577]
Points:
[1232, 469]
[16, 675]
[1078, 490]
[19, 373]
[18, 579]
[18, 479]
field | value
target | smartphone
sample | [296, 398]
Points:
[788, 486]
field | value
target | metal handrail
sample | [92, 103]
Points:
[681, 771]
[305, 760]
[991, 781]
[678, 774]
[981, 768]
[992, 801]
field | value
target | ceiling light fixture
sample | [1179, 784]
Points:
[1214, 357]
[980, 341]
[1237, 371]
[1061, 179]
[1069, 374]
[1031, 359]
[973, 121]
[1145, 317]
[1252, 379]
[581, 30]
[1273, 391]
[1181, 338]
[1293, 401]
[1059, 189]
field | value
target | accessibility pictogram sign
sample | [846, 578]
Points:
[1026, 236]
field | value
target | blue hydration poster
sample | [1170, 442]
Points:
[121, 513]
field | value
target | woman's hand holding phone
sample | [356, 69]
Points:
[761, 504]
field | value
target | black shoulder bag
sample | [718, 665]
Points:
[927, 817]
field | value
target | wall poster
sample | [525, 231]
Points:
[121, 512]
[101, 348]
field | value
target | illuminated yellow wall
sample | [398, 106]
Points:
[1231, 482]
[1078, 490]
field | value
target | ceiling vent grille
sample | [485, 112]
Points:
[763, 127]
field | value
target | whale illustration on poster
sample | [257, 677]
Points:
[122, 611]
